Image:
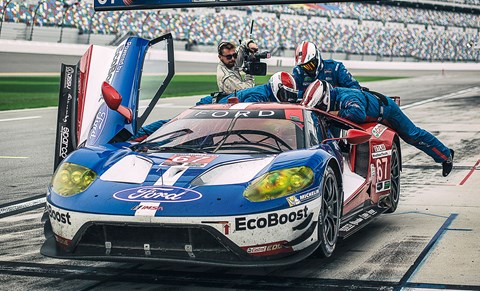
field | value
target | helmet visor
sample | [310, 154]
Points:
[286, 94]
[311, 65]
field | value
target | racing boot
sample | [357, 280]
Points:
[448, 164]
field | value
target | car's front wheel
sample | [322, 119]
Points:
[330, 215]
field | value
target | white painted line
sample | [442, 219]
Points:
[22, 205]
[10, 157]
[20, 118]
[440, 97]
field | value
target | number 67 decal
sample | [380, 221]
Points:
[382, 168]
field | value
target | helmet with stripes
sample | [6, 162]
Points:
[283, 87]
[317, 95]
[307, 56]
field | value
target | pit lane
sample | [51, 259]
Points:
[430, 242]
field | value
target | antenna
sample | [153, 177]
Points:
[251, 29]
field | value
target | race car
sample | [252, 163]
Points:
[237, 184]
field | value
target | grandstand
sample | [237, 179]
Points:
[428, 30]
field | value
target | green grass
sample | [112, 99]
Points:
[18, 92]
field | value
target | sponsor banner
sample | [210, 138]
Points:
[268, 220]
[358, 220]
[107, 5]
[302, 198]
[66, 125]
[268, 249]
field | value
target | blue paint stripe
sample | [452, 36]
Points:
[412, 270]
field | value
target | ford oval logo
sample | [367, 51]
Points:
[157, 194]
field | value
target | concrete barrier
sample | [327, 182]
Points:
[66, 49]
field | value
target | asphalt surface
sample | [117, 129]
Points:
[430, 242]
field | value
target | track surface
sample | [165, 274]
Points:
[430, 242]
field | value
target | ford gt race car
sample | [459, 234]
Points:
[238, 184]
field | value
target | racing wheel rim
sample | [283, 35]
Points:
[395, 179]
[330, 213]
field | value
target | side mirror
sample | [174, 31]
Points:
[354, 137]
[114, 100]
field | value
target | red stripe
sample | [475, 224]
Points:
[304, 51]
[439, 153]
[470, 173]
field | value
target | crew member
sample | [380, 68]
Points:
[229, 78]
[309, 66]
[363, 106]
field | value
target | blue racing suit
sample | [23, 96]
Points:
[361, 107]
[260, 93]
[331, 71]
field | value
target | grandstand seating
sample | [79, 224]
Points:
[348, 28]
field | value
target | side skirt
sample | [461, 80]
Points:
[354, 223]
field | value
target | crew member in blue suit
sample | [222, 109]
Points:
[281, 87]
[362, 106]
[309, 66]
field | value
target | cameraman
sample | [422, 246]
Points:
[229, 78]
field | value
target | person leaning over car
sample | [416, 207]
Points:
[362, 106]
[309, 66]
[281, 87]
[229, 78]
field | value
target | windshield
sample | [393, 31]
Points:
[227, 135]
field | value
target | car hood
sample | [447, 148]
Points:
[178, 184]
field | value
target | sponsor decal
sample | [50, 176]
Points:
[381, 154]
[262, 249]
[169, 194]
[359, 219]
[98, 124]
[383, 186]
[378, 130]
[293, 201]
[270, 220]
[67, 108]
[379, 148]
[229, 114]
[64, 137]
[68, 77]
[189, 160]
[372, 170]
[122, 57]
[113, 66]
[59, 216]
[147, 207]
[328, 71]
[298, 199]
[268, 249]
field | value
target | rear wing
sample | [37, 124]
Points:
[108, 5]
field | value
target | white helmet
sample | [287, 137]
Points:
[317, 95]
[307, 56]
[283, 87]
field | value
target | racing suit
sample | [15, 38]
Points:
[260, 93]
[362, 107]
[329, 70]
[229, 80]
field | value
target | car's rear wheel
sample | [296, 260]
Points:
[394, 179]
[330, 215]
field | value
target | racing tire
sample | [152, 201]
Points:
[394, 196]
[330, 214]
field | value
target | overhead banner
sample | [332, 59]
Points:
[107, 5]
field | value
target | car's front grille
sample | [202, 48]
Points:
[156, 241]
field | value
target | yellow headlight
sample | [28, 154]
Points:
[70, 179]
[279, 183]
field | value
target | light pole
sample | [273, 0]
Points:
[66, 6]
[40, 2]
[3, 15]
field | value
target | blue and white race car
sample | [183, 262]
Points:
[237, 184]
